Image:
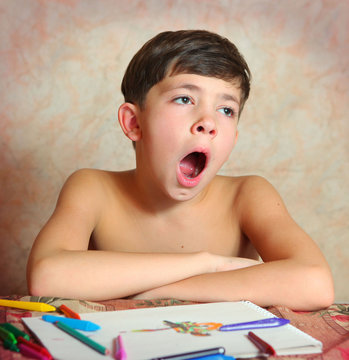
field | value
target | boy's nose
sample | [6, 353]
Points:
[205, 125]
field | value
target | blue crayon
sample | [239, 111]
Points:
[74, 323]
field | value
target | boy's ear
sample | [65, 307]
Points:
[129, 122]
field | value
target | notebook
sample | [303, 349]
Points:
[150, 333]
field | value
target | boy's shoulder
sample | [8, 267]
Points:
[95, 177]
[83, 180]
[242, 185]
[89, 174]
[87, 186]
[246, 192]
[89, 179]
[93, 185]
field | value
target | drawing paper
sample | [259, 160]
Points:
[154, 338]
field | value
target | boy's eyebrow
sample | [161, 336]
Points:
[224, 96]
[230, 98]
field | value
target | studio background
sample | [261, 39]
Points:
[61, 67]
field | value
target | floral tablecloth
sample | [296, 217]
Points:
[330, 326]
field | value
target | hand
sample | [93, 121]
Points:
[219, 263]
[226, 263]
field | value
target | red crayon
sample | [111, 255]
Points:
[30, 352]
[36, 347]
[263, 346]
[69, 312]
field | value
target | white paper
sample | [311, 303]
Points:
[146, 345]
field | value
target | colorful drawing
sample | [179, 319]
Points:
[188, 327]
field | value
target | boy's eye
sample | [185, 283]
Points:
[227, 111]
[183, 100]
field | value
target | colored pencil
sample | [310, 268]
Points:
[84, 339]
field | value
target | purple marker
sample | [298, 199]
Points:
[259, 324]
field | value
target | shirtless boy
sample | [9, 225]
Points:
[171, 227]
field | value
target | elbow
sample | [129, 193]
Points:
[325, 289]
[320, 288]
[322, 301]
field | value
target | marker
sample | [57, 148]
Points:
[194, 354]
[14, 330]
[216, 357]
[263, 346]
[10, 341]
[120, 352]
[74, 323]
[28, 305]
[11, 346]
[34, 346]
[84, 339]
[259, 324]
[30, 352]
[69, 312]
[6, 335]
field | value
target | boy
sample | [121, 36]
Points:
[172, 228]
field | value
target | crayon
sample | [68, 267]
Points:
[34, 346]
[14, 330]
[31, 353]
[74, 323]
[69, 312]
[84, 339]
[120, 351]
[263, 346]
[6, 335]
[27, 305]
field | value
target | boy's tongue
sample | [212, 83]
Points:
[191, 165]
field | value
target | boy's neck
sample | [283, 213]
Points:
[151, 200]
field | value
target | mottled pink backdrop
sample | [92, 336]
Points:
[61, 67]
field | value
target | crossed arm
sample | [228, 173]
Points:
[294, 272]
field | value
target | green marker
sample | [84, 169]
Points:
[101, 349]
[14, 330]
[10, 345]
[7, 336]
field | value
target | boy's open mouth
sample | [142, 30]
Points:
[192, 164]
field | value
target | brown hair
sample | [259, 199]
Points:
[197, 52]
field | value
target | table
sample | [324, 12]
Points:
[330, 326]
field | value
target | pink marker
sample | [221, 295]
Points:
[30, 352]
[34, 346]
[120, 352]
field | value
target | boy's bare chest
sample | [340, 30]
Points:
[210, 225]
[216, 232]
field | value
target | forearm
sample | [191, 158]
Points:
[282, 282]
[97, 275]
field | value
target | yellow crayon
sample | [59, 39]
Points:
[27, 305]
